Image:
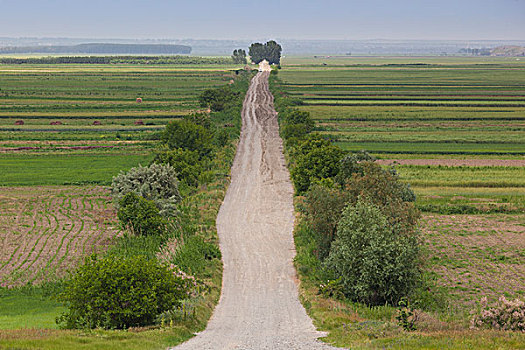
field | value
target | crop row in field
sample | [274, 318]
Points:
[82, 124]
[94, 90]
[45, 231]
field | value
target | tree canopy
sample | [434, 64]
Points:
[271, 51]
[239, 56]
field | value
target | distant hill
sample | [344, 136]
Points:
[101, 48]
[508, 50]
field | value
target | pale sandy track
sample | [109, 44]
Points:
[259, 306]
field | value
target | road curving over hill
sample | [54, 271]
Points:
[259, 306]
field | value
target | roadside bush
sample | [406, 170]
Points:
[318, 163]
[140, 216]
[189, 136]
[192, 256]
[221, 138]
[186, 163]
[292, 133]
[199, 118]
[310, 142]
[218, 99]
[376, 264]
[119, 293]
[504, 315]
[156, 182]
[351, 164]
[385, 191]
[295, 117]
[323, 207]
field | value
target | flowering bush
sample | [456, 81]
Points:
[503, 315]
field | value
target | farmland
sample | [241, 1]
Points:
[82, 124]
[65, 131]
[454, 128]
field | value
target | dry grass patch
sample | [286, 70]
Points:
[477, 255]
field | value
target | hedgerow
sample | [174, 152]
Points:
[360, 218]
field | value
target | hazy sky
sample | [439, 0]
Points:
[246, 19]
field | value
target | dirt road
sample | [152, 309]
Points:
[259, 307]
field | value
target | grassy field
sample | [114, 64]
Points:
[455, 128]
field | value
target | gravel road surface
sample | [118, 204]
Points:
[259, 306]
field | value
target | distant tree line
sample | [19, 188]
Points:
[271, 51]
[117, 59]
[101, 48]
[476, 52]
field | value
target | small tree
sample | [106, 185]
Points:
[257, 52]
[239, 56]
[376, 264]
[119, 293]
[319, 163]
[140, 215]
[323, 207]
[199, 119]
[188, 136]
[155, 182]
[218, 99]
[295, 117]
[185, 162]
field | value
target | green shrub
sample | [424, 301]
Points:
[119, 293]
[323, 207]
[294, 131]
[383, 189]
[140, 216]
[156, 182]
[221, 138]
[189, 136]
[186, 163]
[375, 263]
[310, 142]
[218, 99]
[318, 163]
[294, 117]
[199, 118]
[352, 164]
[192, 256]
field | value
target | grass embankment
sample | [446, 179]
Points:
[465, 255]
[199, 209]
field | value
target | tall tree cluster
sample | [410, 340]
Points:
[271, 51]
[239, 56]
